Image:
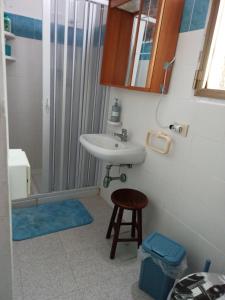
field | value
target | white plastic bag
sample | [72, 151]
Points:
[171, 271]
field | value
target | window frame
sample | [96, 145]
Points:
[199, 75]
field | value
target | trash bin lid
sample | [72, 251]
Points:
[164, 248]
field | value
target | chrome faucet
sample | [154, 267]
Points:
[123, 136]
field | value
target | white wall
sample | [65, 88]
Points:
[24, 81]
[25, 99]
[5, 226]
[26, 8]
[187, 187]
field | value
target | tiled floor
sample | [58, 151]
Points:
[74, 264]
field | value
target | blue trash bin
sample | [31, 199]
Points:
[161, 257]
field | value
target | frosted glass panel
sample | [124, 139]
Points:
[78, 102]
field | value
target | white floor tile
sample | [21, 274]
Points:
[75, 295]
[47, 278]
[38, 248]
[74, 264]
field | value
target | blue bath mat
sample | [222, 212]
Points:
[47, 218]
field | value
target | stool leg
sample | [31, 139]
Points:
[112, 220]
[117, 232]
[139, 227]
[133, 228]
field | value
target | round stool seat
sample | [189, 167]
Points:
[126, 199]
[129, 199]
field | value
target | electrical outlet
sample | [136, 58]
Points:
[181, 129]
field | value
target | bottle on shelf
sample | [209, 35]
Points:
[115, 113]
[8, 50]
[7, 23]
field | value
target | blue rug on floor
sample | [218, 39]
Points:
[47, 218]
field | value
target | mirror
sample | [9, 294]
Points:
[140, 38]
[143, 32]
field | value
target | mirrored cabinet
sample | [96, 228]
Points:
[140, 42]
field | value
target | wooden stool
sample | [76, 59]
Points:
[132, 200]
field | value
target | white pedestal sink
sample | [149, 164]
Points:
[111, 150]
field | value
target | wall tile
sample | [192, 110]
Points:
[144, 56]
[24, 104]
[24, 98]
[26, 27]
[212, 121]
[203, 154]
[185, 74]
[146, 51]
[199, 14]
[194, 15]
[187, 53]
[37, 29]
[186, 19]
[24, 7]
[22, 26]
[187, 186]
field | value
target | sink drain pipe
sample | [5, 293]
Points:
[107, 179]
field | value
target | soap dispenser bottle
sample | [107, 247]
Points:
[116, 111]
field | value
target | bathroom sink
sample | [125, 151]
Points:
[112, 150]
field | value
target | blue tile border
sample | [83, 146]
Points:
[32, 29]
[38, 29]
[194, 18]
[194, 15]
[146, 50]
[199, 16]
[186, 18]
[26, 27]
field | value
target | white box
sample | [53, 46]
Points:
[19, 174]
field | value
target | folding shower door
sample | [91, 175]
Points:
[73, 100]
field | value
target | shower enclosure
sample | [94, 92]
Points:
[73, 100]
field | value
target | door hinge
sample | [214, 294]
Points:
[198, 77]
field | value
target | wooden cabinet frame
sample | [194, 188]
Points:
[117, 46]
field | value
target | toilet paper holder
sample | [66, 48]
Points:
[158, 135]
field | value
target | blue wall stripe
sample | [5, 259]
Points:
[194, 15]
[26, 27]
[146, 51]
[32, 28]
[199, 16]
[194, 18]
[186, 18]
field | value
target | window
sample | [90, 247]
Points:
[210, 78]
